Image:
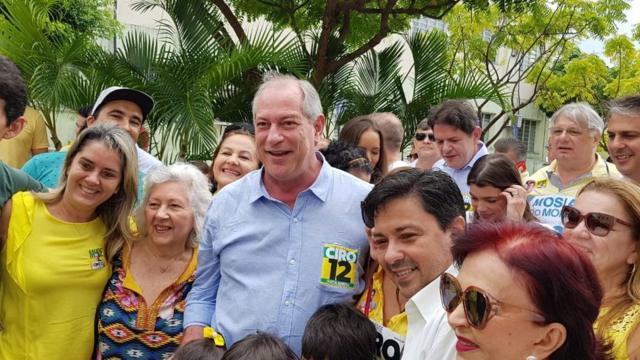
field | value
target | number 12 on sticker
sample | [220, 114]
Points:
[339, 265]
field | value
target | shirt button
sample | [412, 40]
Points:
[287, 302]
[292, 261]
[295, 220]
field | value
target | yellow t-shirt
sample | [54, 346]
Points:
[618, 333]
[52, 274]
[546, 199]
[17, 151]
[398, 322]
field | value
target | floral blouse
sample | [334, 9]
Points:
[129, 328]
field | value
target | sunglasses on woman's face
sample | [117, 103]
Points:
[598, 224]
[479, 307]
[421, 136]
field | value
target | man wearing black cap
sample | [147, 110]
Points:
[124, 107]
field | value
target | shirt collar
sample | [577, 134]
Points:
[480, 152]
[320, 187]
[427, 300]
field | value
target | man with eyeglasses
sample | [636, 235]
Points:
[413, 215]
[623, 129]
[124, 107]
[575, 130]
[424, 144]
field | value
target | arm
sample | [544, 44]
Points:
[201, 301]
[14, 180]
[4, 222]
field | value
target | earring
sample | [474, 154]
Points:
[532, 357]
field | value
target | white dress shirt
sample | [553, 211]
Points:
[429, 336]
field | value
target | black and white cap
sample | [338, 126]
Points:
[143, 100]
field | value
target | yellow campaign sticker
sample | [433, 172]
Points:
[339, 266]
[541, 184]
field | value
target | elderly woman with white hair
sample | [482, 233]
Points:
[575, 130]
[140, 316]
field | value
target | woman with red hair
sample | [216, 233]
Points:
[522, 293]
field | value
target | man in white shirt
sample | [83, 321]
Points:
[413, 216]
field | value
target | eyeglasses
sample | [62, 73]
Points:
[598, 224]
[573, 132]
[421, 136]
[366, 218]
[479, 307]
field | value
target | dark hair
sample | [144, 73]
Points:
[438, 193]
[85, 111]
[233, 129]
[201, 349]
[505, 145]
[457, 113]
[626, 106]
[560, 279]
[339, 332]
[500, 172]
[352, 132]
[423, 124]
[346, 156]
[13, 90]
[260, 346]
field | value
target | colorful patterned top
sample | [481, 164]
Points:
[128, 328]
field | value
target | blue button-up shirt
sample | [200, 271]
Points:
[460, 175]
[264, 266]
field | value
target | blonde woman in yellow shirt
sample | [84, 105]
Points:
[605, 223]
[57, 248]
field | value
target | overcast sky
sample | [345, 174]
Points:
[633, 17]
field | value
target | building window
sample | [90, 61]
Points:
[527, 134]
[486, 119]
[427, 24]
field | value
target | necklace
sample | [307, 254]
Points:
[168, 263]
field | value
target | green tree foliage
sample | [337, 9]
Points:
[343, 30]
[377, 83]
[511, 47]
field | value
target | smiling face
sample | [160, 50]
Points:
[124, 114]
[285, 137]
[168, 214]
[410, 245]
[93, 177]
[370, 143]
[624, 144]
[456, 147]
[571, 143]
[236, 157]
[510, 334]
[487, 202]
[612, 254]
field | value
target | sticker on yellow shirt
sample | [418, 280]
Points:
[542, 184]
[339, 266]
[96, 258]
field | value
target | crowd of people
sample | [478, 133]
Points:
[291, 246]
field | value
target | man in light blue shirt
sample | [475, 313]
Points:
[455, 128]
[285, 239]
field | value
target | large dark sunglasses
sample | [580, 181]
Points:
[479, 307]
[598, 224]
[421, 136]
[240, 126]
